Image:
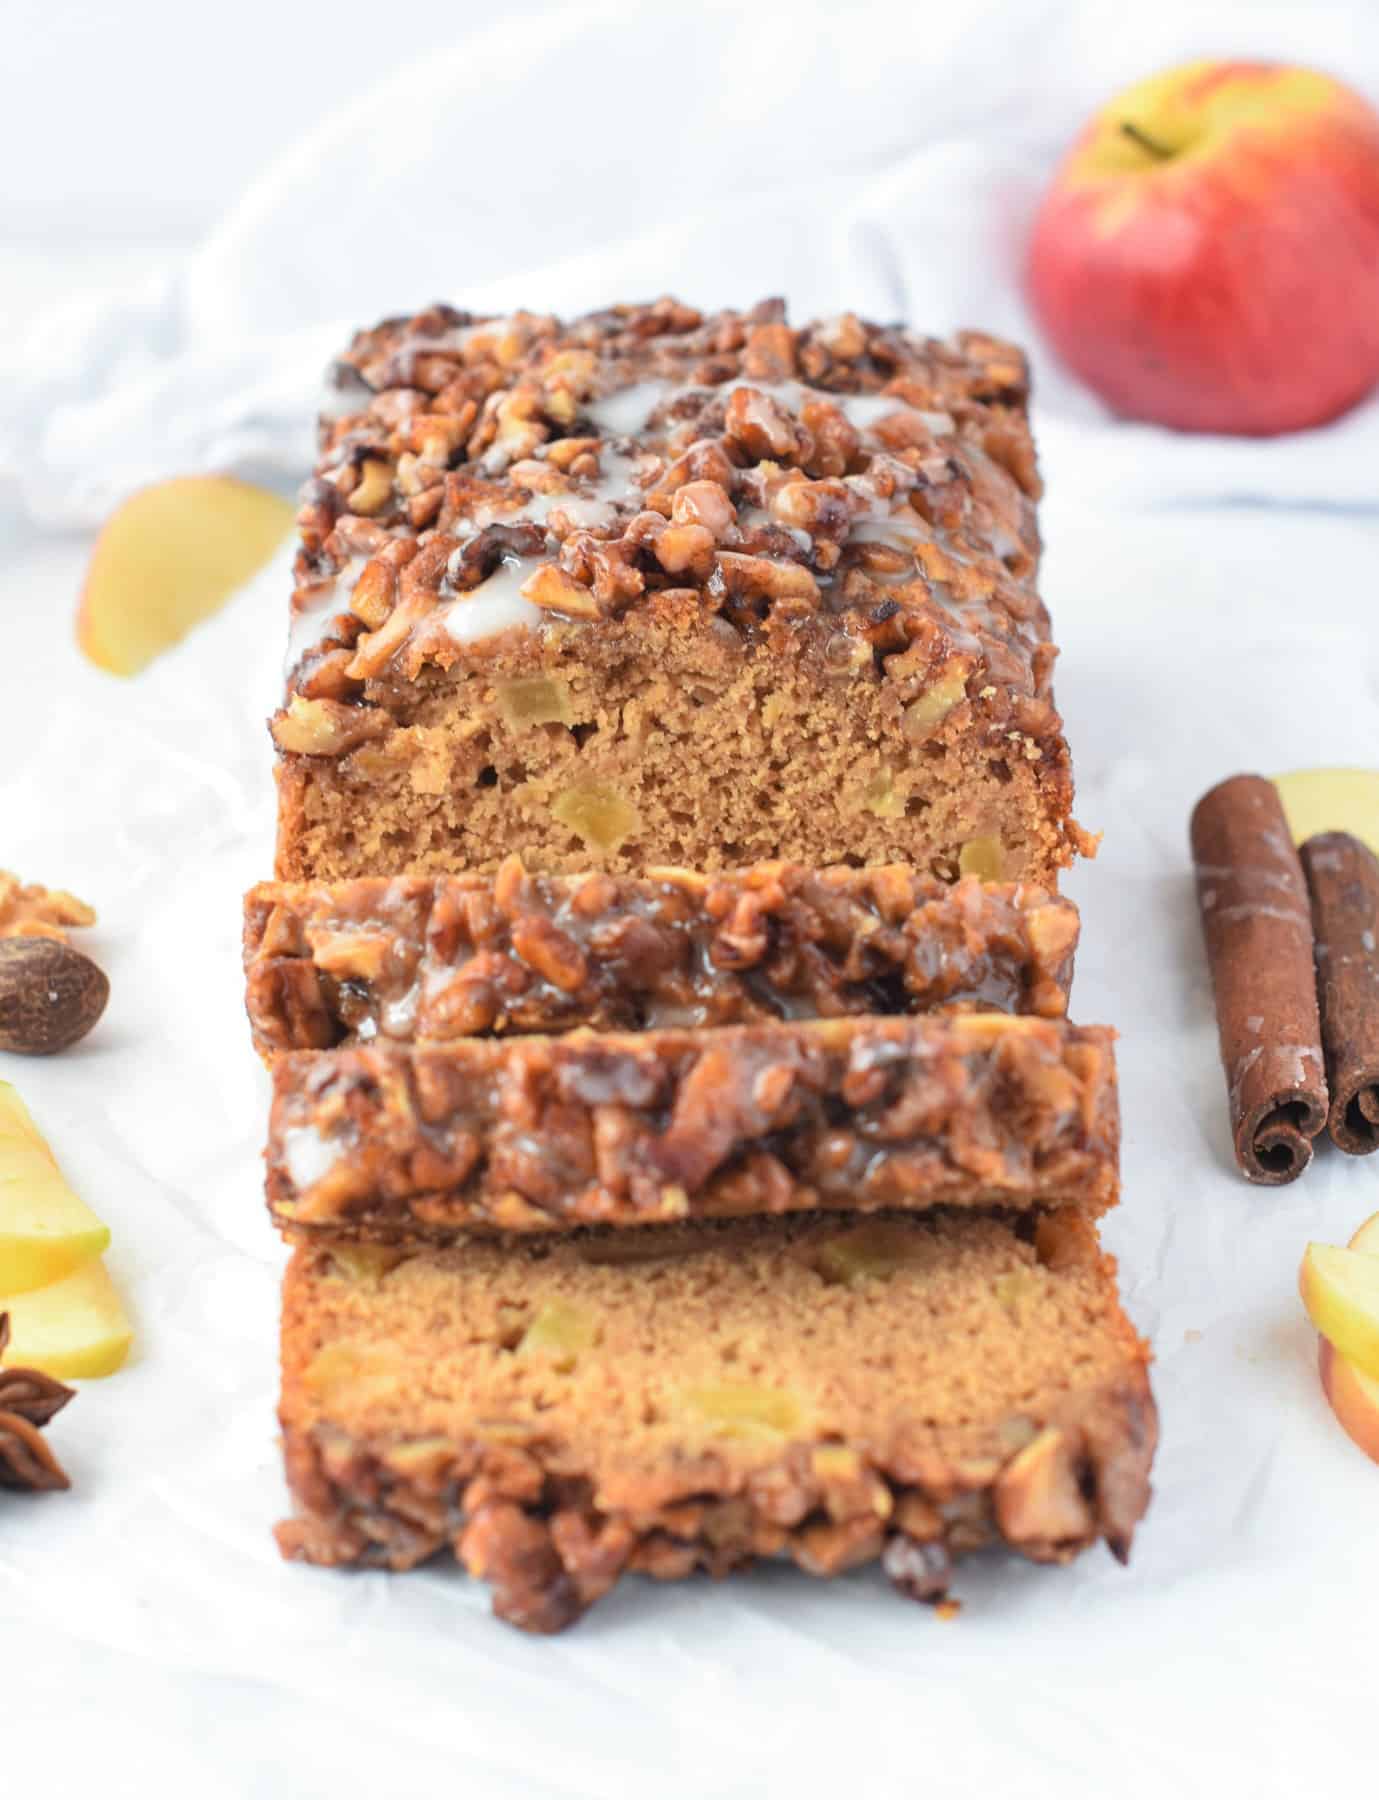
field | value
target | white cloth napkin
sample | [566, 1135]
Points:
[882, 157]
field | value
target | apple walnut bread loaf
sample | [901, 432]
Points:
[699, 1396]
[627, 1128]
[671, 808]
[655, 587]
[425, 959]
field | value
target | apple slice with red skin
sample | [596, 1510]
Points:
[1352, 1395]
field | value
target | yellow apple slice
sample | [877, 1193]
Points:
[1353, 1397]
[168, 558]
[1331, 800]
[1340, 1289]
[75, 1329]
[1366, 1239]
[45, 1230]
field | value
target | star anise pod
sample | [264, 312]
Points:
[28, 1399]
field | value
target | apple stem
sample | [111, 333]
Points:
[1145, 142]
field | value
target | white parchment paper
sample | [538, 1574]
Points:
[150, 1638]
[1196, 644]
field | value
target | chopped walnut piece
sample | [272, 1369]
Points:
[769, 353]
[514, 1553]
[35, 911]
[352, 955]
[1053, 933]
[373, 490]
[326, 727]
[553, 953]
[819, 507]
[833, 444]
[920, 1571]
[844, 336]
[375, 593]
[760, 428]
[704, 503]
[829, 1549]
[748, 576]
[686, 548]
[1039, 1503]
[551, 588]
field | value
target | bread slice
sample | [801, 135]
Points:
[426, 959]
[539, 1134]
[653, 587]
[561, 1410]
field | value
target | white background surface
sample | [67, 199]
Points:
[149, 1636]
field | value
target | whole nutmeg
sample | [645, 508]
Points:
[50, 995]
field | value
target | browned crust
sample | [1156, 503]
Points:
[430, 959]
[535, 1134]
[447, 426]
[1047, 1480]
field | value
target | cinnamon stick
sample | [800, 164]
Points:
[1343, 877]
[1257, 920]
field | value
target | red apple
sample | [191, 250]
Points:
[1354, 1398]
[1208, 254]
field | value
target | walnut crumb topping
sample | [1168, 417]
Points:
[841, 482]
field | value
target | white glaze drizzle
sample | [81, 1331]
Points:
[860, 410]
[398, 1016]
[750, 516]
[625, 412]
[596, 506]
[311, 626]
[456, 337]
[495, 605]
[308, 1156]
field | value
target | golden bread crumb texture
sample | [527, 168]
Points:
[693, 1397]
